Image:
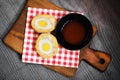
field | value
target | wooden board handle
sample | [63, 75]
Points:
[99, 60]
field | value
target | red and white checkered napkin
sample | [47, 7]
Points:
[64, 57]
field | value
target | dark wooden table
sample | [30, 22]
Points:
[105, 15]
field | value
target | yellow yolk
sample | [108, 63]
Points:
[46, 47]
[42, 23]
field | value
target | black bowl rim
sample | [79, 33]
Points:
[60, 39]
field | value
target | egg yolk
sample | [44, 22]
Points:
[42, 23]
[46, 47]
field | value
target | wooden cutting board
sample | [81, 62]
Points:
[15, 37]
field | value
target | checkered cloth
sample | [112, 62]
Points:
[64, 57]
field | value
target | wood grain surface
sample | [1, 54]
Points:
[14, 39]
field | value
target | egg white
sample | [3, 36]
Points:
[46, 40]
[48, 26]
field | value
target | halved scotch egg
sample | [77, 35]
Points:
[46, 45]
[43, 23]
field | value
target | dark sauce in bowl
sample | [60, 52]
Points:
[73, 32]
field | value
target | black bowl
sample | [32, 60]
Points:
[61, 24]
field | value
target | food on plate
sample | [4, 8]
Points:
[43, 23]
[46, 45]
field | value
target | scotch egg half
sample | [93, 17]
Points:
[46, 45]
[43, 23]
